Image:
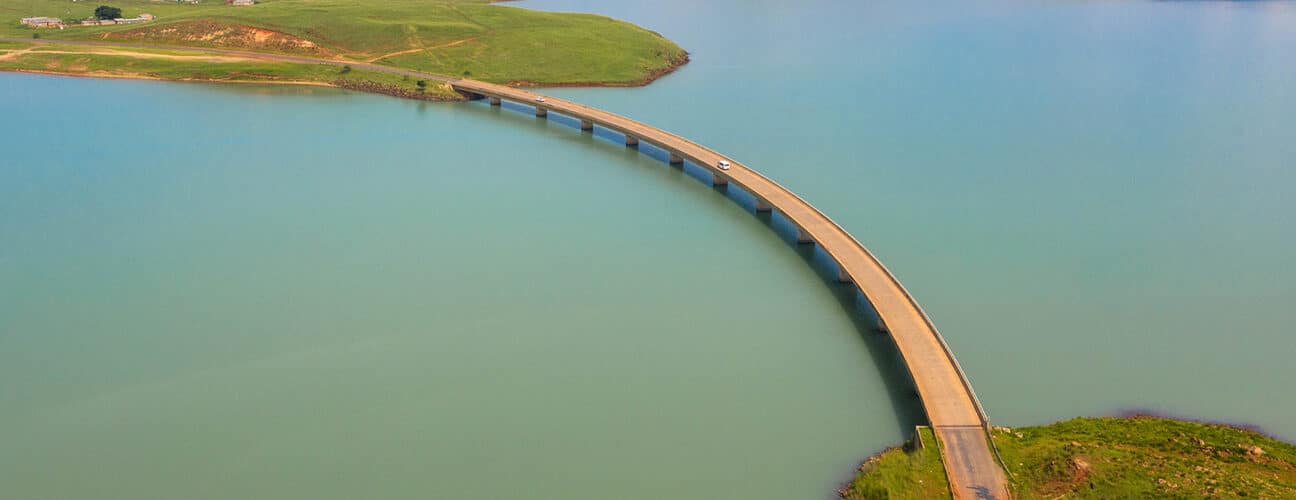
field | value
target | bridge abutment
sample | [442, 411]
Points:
[495, 101]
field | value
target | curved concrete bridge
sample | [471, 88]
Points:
[947, 397]
[952, 407]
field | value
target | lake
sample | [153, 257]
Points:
[217, 292]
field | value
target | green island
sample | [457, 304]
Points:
[453, 38]
[1107, 457]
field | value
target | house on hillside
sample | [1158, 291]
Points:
[240, 3]
[43, 22]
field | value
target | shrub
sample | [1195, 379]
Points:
[106, 12]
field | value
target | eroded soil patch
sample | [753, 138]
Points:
[216, 34]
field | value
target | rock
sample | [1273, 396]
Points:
[1080, 466]
[1199, 442]
[1076, 444]
[1255, 451]
[1019, 435]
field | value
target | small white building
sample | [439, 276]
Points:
[241, 3]
[42, 22]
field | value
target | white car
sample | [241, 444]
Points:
[723, 165]
[539, 99]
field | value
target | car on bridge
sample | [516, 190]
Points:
[540, 99]
[723, 165]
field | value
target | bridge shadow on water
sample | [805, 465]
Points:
[855, 305]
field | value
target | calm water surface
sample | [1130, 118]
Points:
[225, 292]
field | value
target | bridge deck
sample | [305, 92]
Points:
[951, 407]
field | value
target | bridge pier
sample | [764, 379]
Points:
[842, 276]
[676, 159]
[495, 101]
[763, 206]
[803, 237]
[587, 125]
[542, 112]
[632, 141]
[718, 180]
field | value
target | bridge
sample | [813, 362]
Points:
[952, 408]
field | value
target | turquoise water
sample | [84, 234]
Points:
[220, 292]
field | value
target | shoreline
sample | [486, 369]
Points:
[643, 82]
[359, 86]
[375, 88]
[1150, 413]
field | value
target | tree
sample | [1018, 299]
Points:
[106, 12]
[346, 69]
[421, 84]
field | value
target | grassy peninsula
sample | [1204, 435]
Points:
[1110, 457]
[455, 38]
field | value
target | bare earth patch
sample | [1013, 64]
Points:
[14, 54]
[420, 49]
[216, 34]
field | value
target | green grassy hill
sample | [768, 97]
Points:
[462, 38]
[1140, 457]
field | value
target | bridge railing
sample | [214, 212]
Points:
[949, 353]
[945, 348]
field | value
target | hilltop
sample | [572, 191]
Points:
[456, 38]
[1109, 457]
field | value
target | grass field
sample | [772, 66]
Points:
[1140, 457]
[460, 38]
[188, 66]
[918, 469]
